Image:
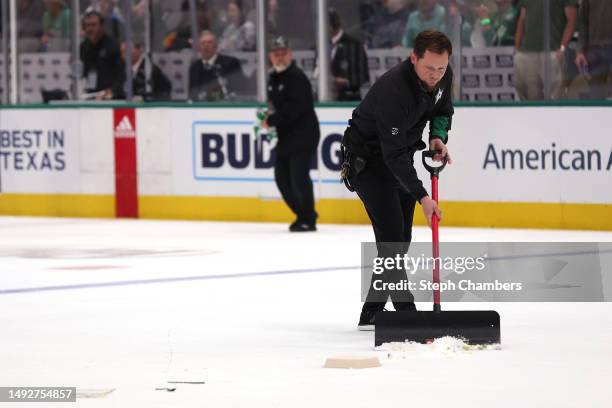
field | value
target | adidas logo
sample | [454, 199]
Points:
[125, 128]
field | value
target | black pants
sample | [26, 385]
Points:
[391, 211]
[292, 174]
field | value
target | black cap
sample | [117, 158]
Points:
[279, 43]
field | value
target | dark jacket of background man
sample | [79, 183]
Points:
[350, 62]
[205, 83]
[104, 58]
[161, 87]
[290, 92]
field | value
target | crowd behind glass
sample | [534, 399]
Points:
[220, 64]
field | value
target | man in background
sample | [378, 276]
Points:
[214, 76]
[594, 58]
[349, 63]
[529, 43]
[160, 84]
[292, 114]
[102, 65]
[114, 23]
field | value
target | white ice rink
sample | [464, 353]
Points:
[253, 311]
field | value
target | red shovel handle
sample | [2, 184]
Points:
[435, 240]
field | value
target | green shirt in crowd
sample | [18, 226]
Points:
[415, 24]
[503, 28]
[58, 26]
[533, 34]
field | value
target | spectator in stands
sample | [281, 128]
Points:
[457, 22]
[29, 25]
[429, 16]
[138, 15]
[594, 57]
[214, 76]
[114, 24]
[499, 28]
[389, 24]
[529, 41]
[272, 16]
[84, 4]
[349, 63]
[102, 66]
[1, 22]
[57, 26]
[180, 38]
[239, 35]
[160, 84]
[206, 20]
[292, 21]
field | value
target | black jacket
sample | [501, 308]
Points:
[161, 86]
[222, 81]
[388, 124]
[290, 94]
[104, 58]
[350, 62]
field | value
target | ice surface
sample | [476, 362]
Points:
[253, 311]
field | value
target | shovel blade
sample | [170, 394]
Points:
[474, 327]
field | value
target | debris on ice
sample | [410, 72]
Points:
[445, 346]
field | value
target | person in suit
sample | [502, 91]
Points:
[349, 62]
[214, 76]
[160, 84]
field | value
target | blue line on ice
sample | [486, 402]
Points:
[177, 279]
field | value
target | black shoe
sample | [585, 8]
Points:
[367, 319]
[300, 226]
[405, 307]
